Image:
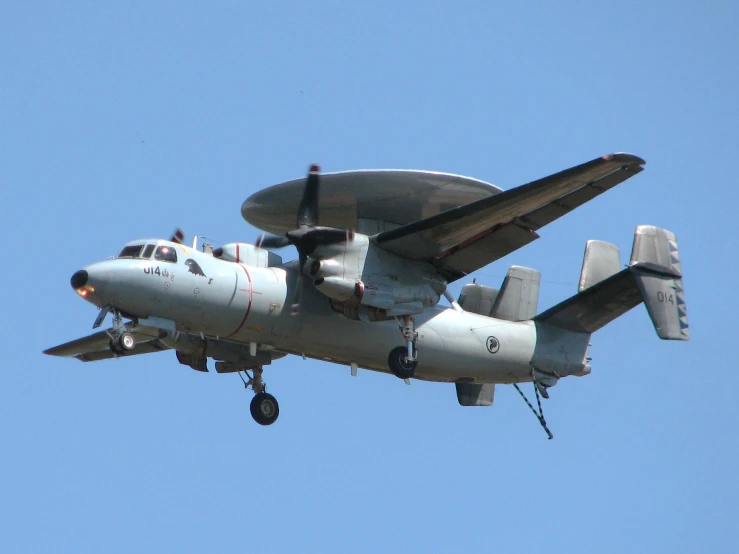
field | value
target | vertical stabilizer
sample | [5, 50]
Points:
[655, 262]
[601, 260]
[519, 295]
[477, 299]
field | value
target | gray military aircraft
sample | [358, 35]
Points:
[365, 287]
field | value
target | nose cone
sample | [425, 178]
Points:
[79, 279]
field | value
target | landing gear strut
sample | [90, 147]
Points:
[264, 407]
[121, 340]
[403, 360]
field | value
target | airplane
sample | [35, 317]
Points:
[371, 270]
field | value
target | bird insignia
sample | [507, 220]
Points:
[194, 267]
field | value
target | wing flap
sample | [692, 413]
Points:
[466, 257]
[441, 237]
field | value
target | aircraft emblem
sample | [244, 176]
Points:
[493, 345]
[194, 267]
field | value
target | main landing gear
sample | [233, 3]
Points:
[403, 360]
[264, 407]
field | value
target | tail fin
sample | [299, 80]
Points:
[518, 296]
[655, 262]
[653, 276]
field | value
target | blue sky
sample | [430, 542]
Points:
[125, 121]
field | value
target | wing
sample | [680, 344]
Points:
[96, 347]
[471, 236]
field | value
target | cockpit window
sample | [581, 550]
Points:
[147, 251]
[131, 251]
[165, 254]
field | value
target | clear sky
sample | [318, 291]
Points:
[125, 120]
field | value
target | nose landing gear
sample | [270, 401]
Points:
[126, 342]
[121, 339]
[263, 407]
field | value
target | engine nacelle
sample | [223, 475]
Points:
[338, 288]
[406, 298]
[244, 253]
[325, 268]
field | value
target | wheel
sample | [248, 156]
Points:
[127, 341]
[399, 363]
[264, 408]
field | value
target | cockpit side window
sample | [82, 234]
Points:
[147, 251]
[165, 254]
[131, 251]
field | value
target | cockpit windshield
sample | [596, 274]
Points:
[165, 254]
[131, 251]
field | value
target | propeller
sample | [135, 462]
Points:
[308, 235]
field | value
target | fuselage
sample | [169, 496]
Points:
[231, 301]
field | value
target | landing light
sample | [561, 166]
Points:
[84, 291]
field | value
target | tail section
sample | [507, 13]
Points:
[601, 260]
[519, 295]
[653, 277]
[655, 263]
[515, 301]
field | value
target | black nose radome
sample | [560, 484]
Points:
[79, 279]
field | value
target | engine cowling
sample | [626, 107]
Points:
[338, 288]
[244, 253]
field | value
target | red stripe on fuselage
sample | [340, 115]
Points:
[248, 307]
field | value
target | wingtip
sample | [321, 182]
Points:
[624, 157]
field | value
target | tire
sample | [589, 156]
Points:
[264, 408]
[399, 364]
[127, 342]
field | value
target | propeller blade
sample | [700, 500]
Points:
[307, 239]
[308, 209]
[178, 236]
[272, 241]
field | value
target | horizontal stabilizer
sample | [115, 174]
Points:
[601, 260]
[519, 295]
[588, 311]
[652, 277]
[475, 394]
